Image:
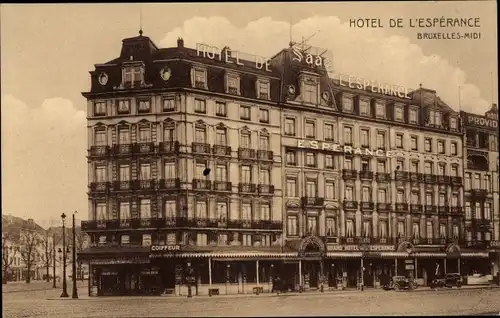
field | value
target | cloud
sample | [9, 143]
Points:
[43, 159]
[366, 53]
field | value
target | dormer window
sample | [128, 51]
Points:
[364, 107]
[199, 77]
[434, 118]
[380, 110]
[398, 113]
[310, 93]
[413, 116]
[232, 84]
[453, 123]
[133, 76]
[263, 89]
[347, 104]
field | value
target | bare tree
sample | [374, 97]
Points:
[47, 254]
[81, 243]
[30, 240]
[8, 255]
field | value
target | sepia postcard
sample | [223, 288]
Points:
[250, 159]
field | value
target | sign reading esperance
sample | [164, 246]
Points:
[313, 144]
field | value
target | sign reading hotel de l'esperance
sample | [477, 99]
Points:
[313, 144]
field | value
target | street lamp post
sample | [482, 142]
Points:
[189, 278]
[64, 291]
[73, 267]
[54, 261]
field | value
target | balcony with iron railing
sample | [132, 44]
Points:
[383, 177]
[144, 148]
[123, 149]
[478, 193]
[443, 210]
[223, 186]
[201, 184]
[400, 175]
[443, 180]
[350, 205]
[384, 207]
[124, 185]
[416, 208]
[168, 147]
[456, 210]
[482, 245]
[416, 177]
[349, 174]
[456, 181]
[431, 209]
[221, 150]
[246, 153]
[100, 186]
[312, 201]
[367, 206]
[266, 189]
[366, 175]
[483, 223]
[247, 187]
[170, 183]
[99, 151]
[401, 207]
[430, 178]
[200, 148]
[265, 155]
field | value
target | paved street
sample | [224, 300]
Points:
[428, 302]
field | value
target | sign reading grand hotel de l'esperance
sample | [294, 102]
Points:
[313, 144]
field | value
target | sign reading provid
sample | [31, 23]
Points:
[165, 248]
[481, 121]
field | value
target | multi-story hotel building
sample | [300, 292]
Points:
[220, 171]
[482, 228]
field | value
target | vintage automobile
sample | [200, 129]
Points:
[401, 282]
[449, 280]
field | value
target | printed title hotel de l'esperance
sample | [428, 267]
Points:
[215, 170]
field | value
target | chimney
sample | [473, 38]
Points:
[180, 42]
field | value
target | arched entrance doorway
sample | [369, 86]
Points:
[312, 252]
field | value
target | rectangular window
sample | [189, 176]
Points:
[413, 116]
[428, 167]
[442, 169]
[453, 148]
[310, 159]
[347, 104]
[223, 239]
[144, 134]
[330, 190]
[124, 172]
[468, 181]
[220, 109]
[101, 211]
[263, 115]
[100, 173]
[329, 132]
[169, 133]
[264, 143]
[348, 193]
[382, 229]
[367, 229]
[364, 137]
[100, 109]
[329, 163]
[427, 144]
[400, 196]
[222, 211]
[290, 158]
[124, 136]
[364, 107]
[246, 211]
[265, 212]
[401, 229]
[487, 211]
[330, 227]
[144, 106]
[291, 187]
[487, 183]
[100, 138]
[199, 78]
[146, 240]
[456, 232]
[245, 113]
[245, 141]
[310, 93]
[382, 196]
[292, 225]
[380, 110]
[440, 146]
[168, 104]
[263, 89]
[290, 126]
[145, 171]
[310, 129]
[414, 167]
[468, 211]
[348, 135]
[349, 229]
[400, 164]
[145, 208]
[220, 137]
[416, 230]
[429, 230]
[428, 199]
[347, 163]
[201, 239]
[381, 166]
[442, 230]
[399, 141]
[170, 170]
[200, 135]
[124, 106]
[454, 171]
[124, 239]
[264, 176]
[246, 174]
[442, 199]
[125, 210]
[170, 209]
[414, 143]
[399, 114]
[311, 189]
[381, 140]
[366, 194]
[200, 106]
[201, 209]
[221, 173]
[200, 167]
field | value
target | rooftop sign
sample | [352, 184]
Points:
[374, 86]
[313, 144]
[232, 57]
[480, 121]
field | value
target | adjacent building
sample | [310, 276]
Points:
[482, 228]
[218, 170]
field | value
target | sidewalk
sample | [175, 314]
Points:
[13, 287]
[84, 296]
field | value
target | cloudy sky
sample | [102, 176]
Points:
[47, 51]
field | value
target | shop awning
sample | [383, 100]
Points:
[394, 254]
[430, 255]
[234, 255]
